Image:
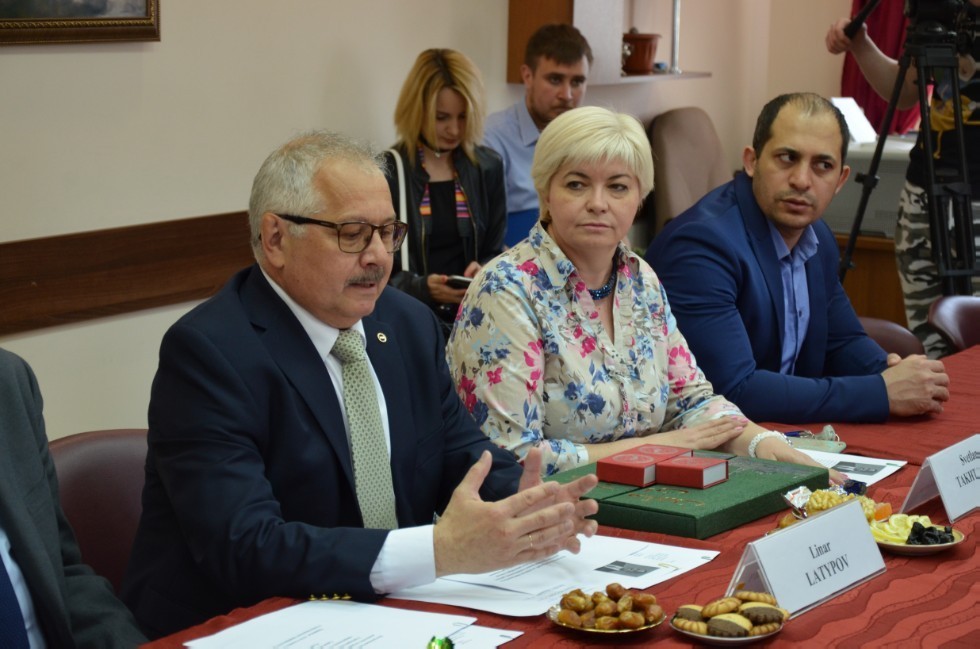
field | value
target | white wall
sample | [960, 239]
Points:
[106, 135]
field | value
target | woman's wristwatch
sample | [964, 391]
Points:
[766, 435]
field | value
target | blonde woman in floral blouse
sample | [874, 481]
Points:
[566, 341]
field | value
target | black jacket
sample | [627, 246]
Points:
[486, 196]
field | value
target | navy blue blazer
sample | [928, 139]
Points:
[718, 264]
[249, 487]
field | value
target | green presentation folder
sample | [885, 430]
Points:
[754, 489]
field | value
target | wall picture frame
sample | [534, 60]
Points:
[42, 22]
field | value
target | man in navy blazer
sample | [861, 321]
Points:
[751, 275]
[249, 478]
[62, 601]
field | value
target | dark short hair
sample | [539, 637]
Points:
[562, 44]
[810, 104]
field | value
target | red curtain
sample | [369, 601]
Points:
[886, 27]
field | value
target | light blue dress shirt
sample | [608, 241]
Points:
[513, 134]
[796, 295]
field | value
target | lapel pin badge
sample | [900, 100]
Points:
[382, 338]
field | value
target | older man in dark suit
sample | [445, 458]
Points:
[276, 469]
[47, 595]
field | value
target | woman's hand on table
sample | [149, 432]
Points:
[706, 436]
[773, 448]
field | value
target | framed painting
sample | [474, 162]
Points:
[37, 22]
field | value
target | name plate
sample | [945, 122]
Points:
[953, 474]
[812, 561]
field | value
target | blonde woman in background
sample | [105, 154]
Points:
[454, 188]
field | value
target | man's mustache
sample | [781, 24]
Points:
[369, 276]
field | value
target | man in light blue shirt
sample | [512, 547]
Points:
[751, 275]
[555, 71]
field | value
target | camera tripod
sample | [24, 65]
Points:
[948, 189]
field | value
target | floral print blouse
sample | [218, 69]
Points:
[535, 366]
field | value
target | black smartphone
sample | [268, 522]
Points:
[458, 281]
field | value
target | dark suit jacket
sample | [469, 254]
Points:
[75, 607]
[719, 267]
[249, 490]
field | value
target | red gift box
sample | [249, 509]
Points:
[696, 472]
[661, 451]
[637, 466]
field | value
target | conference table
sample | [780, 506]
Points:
[920, 601]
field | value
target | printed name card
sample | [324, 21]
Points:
[812, 561]
[953, 474]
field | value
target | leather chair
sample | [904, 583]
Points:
[100, 482]
[893, 338]
[957, 319]
[688, 162]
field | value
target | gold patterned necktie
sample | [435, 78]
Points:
[369, 451]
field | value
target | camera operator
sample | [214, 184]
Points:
[917, 270]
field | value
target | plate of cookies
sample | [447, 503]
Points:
[615, 610]
[743, 617]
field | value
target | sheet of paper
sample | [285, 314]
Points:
[530, 589]
[337, 623]
[857, 123]
[482, 637]
[865, 469]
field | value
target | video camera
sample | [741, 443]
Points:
[946, 21]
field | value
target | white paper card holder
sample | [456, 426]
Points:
[812, 561]
[953, 474]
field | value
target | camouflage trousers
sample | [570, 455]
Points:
[917, 271]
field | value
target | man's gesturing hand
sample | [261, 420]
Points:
[474, 536]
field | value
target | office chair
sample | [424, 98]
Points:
[100, 482]
[893, 338]
[688, 162]
[957, 318]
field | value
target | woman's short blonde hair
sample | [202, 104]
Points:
[415, 112]
[591, 134]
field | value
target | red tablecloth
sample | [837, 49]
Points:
[913, 439]
[925, 601]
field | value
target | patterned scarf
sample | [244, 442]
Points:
[425, 207]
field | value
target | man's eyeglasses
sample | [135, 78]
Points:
[355, 236]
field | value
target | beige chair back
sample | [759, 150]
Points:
[688, 162]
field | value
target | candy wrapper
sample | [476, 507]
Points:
[855, 487]
[803, 502]
[797, 500]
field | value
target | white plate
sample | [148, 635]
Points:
[718, 641]
[919, 550]
[553, 616]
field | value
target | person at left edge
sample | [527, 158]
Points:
[454, 188]
[249, 478]
[62, 602]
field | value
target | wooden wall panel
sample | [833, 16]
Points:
[873, 285]
[75, 277]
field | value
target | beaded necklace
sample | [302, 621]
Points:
[604, 290]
